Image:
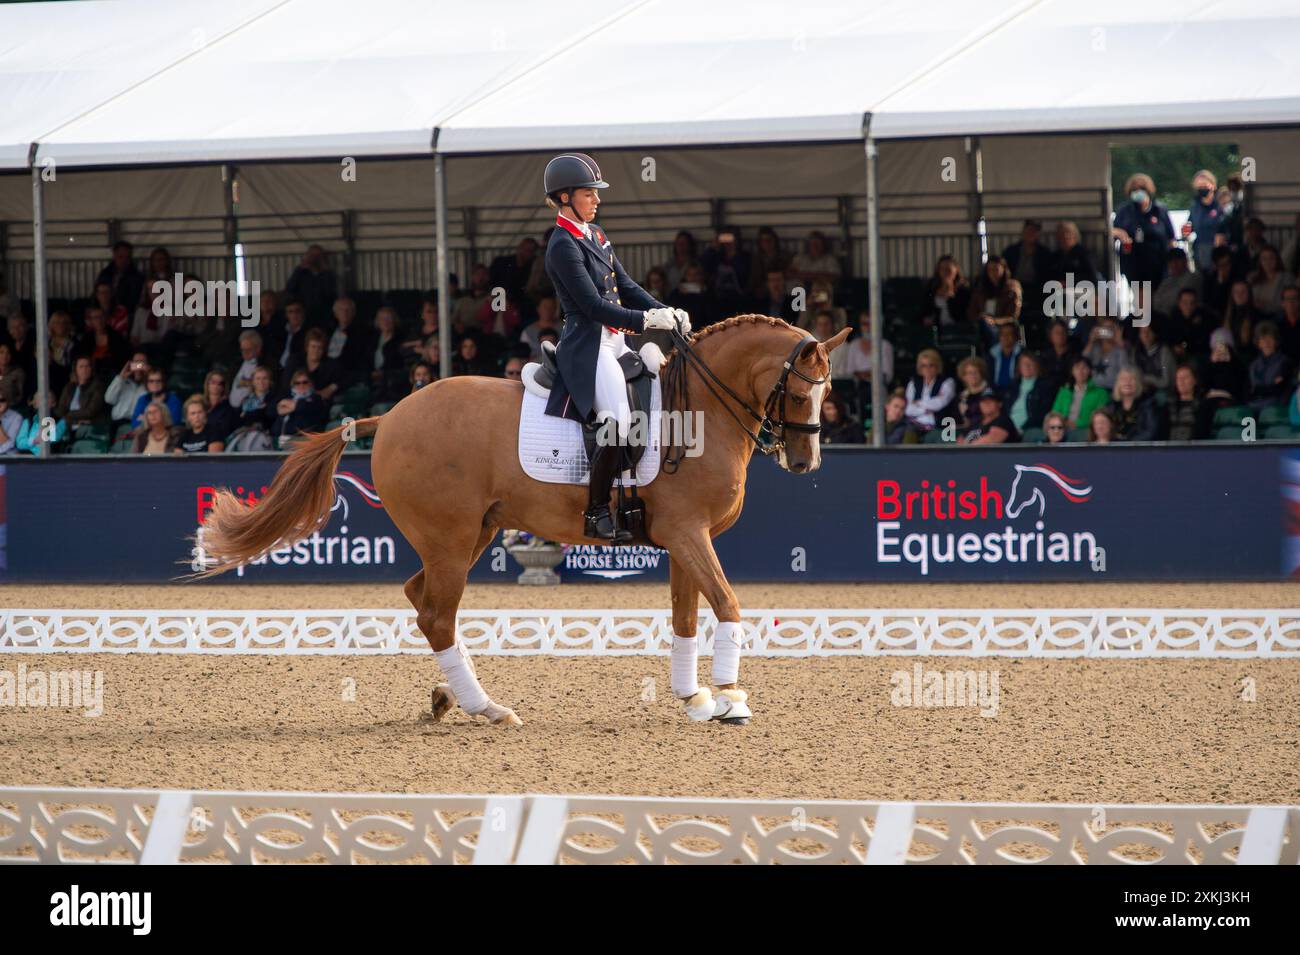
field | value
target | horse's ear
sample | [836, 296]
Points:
[836, 340]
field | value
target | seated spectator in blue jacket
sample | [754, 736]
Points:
[1271, 373]
[1030, 396]
[993, 427]
[11, 423]
[1004, 356]
[1134, 415]
[32, 435]
[156, 390]
[302, 411]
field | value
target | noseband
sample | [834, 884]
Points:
[772, 423]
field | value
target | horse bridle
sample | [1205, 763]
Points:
[772, 423]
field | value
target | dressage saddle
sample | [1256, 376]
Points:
[540, 377]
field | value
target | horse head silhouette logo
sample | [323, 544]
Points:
[367, 491]
[1034, 477]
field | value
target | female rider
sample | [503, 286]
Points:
[592, 288]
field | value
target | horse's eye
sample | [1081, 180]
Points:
[800, 399]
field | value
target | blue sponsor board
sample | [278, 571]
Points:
[1204, 511]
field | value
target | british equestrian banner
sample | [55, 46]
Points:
[1189, 512]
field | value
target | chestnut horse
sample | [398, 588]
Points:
[446, 466]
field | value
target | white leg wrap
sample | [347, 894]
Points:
[685, 683]
[726, 652]
[458, 670]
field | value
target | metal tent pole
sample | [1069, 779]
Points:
[873, 293]
[440, 238]
[40, 294]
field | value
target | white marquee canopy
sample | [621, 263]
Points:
[129, 82]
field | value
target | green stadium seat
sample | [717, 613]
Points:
[1274, 414]
[1280, 432]
[1033, 436]
[1232, 415]
[381, 407]
[934, 436]
[1078, 436]
[355, 401]
[88, 446]
[1231, 432]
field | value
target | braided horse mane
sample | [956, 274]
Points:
[674, 381]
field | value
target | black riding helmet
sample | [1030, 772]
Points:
[571, 171]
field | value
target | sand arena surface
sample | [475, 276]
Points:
[1065, 730]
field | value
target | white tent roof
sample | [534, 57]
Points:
[276, 79]
[682, 72]
[323, 78]
[1113, 64]
[59, 61]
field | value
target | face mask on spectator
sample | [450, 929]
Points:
[1139, 196]
[1204, 191]
[691, 288]
[302, 391]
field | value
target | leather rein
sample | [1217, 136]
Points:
[772, 423]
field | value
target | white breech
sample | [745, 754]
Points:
[611, 386]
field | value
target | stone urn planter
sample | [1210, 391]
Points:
[539, 559]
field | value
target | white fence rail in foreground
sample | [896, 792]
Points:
[1041, 633]
[167, 827]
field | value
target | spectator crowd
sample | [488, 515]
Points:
[980, 360]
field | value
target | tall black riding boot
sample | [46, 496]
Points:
[605, 465]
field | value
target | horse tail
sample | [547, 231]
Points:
[297, 504]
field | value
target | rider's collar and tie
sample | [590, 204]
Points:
[576, 229]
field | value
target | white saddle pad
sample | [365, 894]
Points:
[551, 449]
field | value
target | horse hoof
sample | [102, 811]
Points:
[700, 707]
[443, 701]
[499, 715]
[731, 708]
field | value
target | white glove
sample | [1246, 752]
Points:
[683, 322]
[661, 319]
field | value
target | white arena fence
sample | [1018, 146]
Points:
[174, 827]
[1121, 633]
